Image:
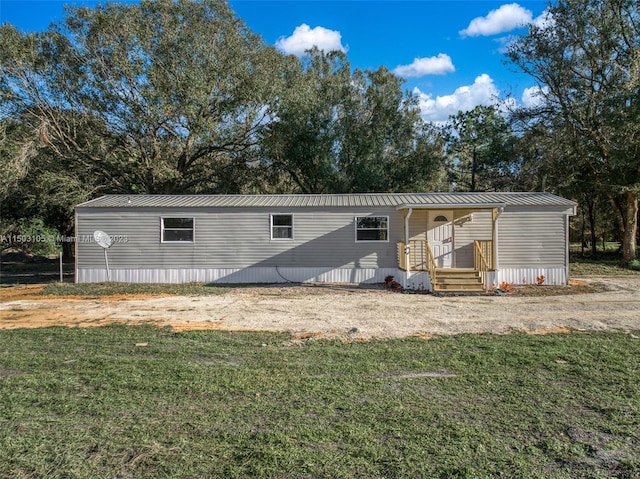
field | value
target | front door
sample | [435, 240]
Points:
[440, 236]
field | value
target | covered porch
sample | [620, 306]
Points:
[449, 248]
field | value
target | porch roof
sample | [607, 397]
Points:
[451, 206]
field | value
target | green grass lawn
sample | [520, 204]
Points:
[90, 403]
[607, 263]
[604, 266]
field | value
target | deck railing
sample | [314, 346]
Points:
[483, 260]
[402, 257]
[430, 261]
[420, 258]
[483, 255]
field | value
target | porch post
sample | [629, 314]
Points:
[494, 237]
[407, 263]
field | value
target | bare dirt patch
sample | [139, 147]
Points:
[339, 311]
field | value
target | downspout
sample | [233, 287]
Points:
[566, 242]
[407, 265]
[494, 233]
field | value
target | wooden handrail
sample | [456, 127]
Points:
[402, 258]
[431, 264]
[420, 258]
[482, 256]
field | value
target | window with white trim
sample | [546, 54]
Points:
[372, 228]
[177, 230]
[281, 227]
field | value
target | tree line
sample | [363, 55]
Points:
[182, 97]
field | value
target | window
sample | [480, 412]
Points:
[372, 228]
[177, 230]
[281, 227]
[440, 219]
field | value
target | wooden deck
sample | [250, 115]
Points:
[420, 258]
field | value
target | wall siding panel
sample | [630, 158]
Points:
[466, 232]
[231, 238]
[531, 238]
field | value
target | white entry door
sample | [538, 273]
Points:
[440, 236]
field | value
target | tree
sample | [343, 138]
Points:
[337, 131]
[17, 148]
[481, 148]
[300, 140]
[384, 144]
[161, 97]
[585, 61]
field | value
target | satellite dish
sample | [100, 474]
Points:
[102, 238]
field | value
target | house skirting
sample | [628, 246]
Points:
[420, 280]
[238, 275]
[552, 276]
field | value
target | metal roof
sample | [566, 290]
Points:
[397, 200]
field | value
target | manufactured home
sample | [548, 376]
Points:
[432, 241]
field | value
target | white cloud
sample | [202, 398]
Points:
[305, 38]
[504, 19]
[439, 65]
[465, 98]
[532, 97]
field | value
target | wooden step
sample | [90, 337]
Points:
[452, 288]
[461, 282]
[458, 280]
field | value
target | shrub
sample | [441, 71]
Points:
[32, 237]
[634, 264]
[391, 284]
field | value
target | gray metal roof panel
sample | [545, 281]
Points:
[415, 200]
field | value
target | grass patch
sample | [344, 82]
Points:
[90, 403]
[606, 266]
[92, 290]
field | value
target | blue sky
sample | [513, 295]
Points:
[449, 52]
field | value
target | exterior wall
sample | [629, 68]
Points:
[533, 243]
[466, 230]
[418, 224]
[229, 240]
[530, 238]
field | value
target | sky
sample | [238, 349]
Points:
[449, 52]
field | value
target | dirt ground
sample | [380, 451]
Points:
[338, 311]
